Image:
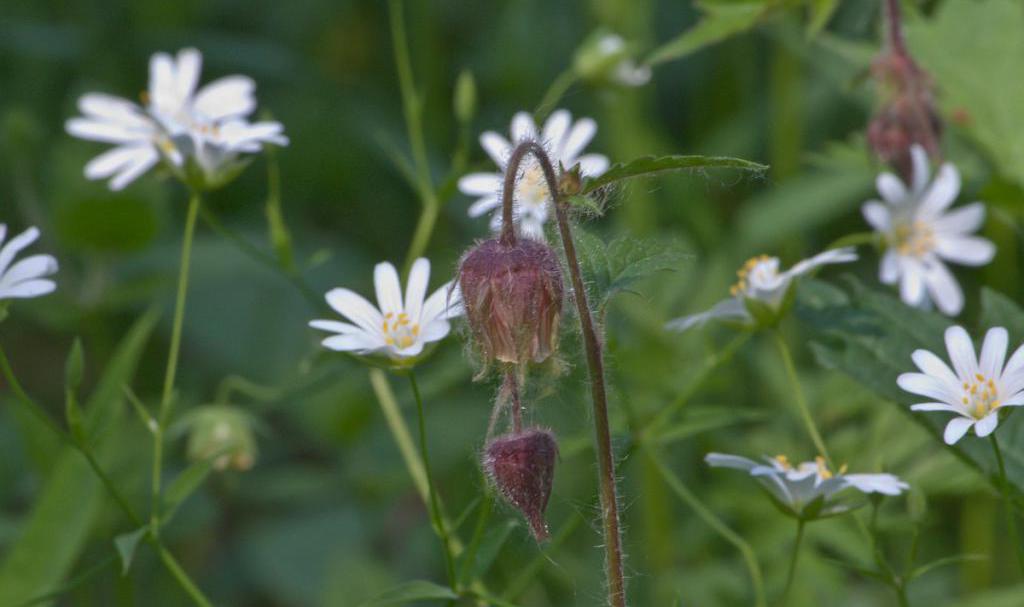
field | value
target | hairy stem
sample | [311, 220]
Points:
[801, 400]
[172, 362]
[1004, 488]
[595, 364]
[894, 27]
[435, 508]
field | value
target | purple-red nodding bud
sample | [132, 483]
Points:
[907, 114]
[513, 299]
[522, 467]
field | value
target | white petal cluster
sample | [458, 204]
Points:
[760, 280]
[198, 131]
[922, 234]
[27, 277]
[396, 327]
[973, 390]
[797, 486]
[564, 141]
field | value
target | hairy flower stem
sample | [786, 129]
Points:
[801, 400]
[1004, 488]
[894, 23]
[172, 362]
[792, 562]
[512, 388]
[595, 362]
[435, 508]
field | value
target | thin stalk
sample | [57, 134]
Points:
[435, 509]
[595, 364]
[184, 580]
[559, 86]
[469, 556]
[691, 500]
[1004, 488]
[172, 361]
[801, 400]
[512, 386]
[793, 560]
[901, 596]
[894, 26]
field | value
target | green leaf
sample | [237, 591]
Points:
[942, 562]
[649, 165]
[419, 590]
[491, 546]
[616, 266]
[983, 78]
[720, 21]
[126, 543]
[74, 366]
[55, 531]
[998, 310]
[821, 11]
[185, 484]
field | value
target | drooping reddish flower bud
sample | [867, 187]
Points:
[907, 114]
[512, 293]
[522, 467]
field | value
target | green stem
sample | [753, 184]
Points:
[559, 86]
[424, 230]
[1004, 488]
[469, 556]
[859, 238]
[172, 361]
[691, 500]
[184, 580]
[792, 561]
[801, 400]
[435, 509]
[901, 596]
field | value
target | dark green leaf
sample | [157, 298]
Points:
[126, 544]
[616, 266]
[491, 546]
[649, 165]
[419, 590]
[185, 484]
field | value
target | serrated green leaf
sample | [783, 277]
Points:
[616, 266]
[720, 21]
[650, 165]
[126, 543]
[419, 590]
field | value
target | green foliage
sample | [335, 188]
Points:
[126, 543]
[721, 20]
[409, 592]
[650, 165]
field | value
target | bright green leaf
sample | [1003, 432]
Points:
[721, 21]
[649, 165]
[126, 544]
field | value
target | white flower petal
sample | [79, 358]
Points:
[577, 139]
[388, 288]
[435, 331]
[920, 167]
[114, 160]
[27, 289]
[481, 184]
[889, 268]
[555, 128]
[987, 425]
[963, 220]
[354, 307]
[190, 63]
[228, 97]
[877, 215]
[162, 86]
[843, 255]
[891, 188]
[956, 428]
[105, 132]
[483, 205]
[523, 128]
[15, 245]
[965, 250]
[926, 385]
[727, 309]
[354, 342]
[593, 165]
[941, 194]
[141, 162]
[886, 484]
[911, 281]
[944, 289]
[937, 407]
[443, 303]
[335, 326]
[724, 460]
[932, 365]
[961, 352]
[416, 288]
[993, 352]
[35, 266]
[497, 147]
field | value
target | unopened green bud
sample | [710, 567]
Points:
[223, 434]
[606, 57]
[465, 97]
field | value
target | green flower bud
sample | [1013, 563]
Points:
[465, 97]
[224, 434]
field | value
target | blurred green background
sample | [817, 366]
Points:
[328, 515]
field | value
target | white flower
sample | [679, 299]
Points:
[564, 141]
[973, 390]
[605, 55]
[921, 235]
[796, 487]
[206, 128]
[26, 278]
[395, 327]
[760, 280]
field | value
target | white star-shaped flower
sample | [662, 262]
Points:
[564, 141]
[398, 328]
[27, 277]
[921, 234]
[760, 280]
[197, 130]
[796, 487]
[974, 390]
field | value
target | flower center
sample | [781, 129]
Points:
[532, 189]
[784, 462]
[758, 272]
[823, 472]
[913, 239]
[981, 396]
[399, 330]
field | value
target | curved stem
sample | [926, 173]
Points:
[801, 400]
[792, 561]
[172, 362]
[894, 22]
[595, 364]
[1004, 488]
[435, 509]
[687, 496]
